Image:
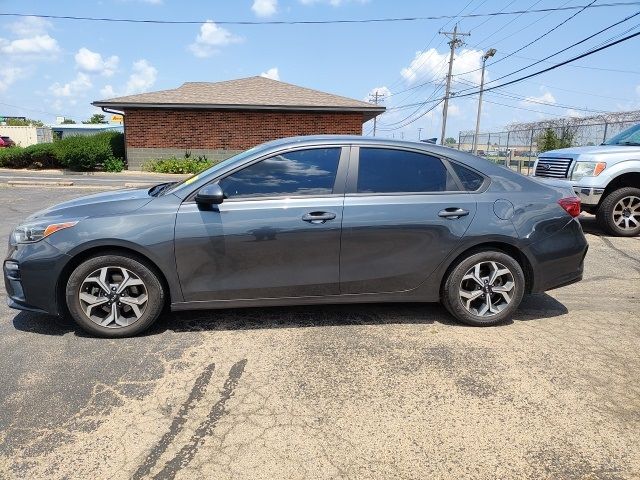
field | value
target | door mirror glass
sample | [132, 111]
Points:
[210, 195]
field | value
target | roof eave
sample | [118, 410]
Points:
[122, 105]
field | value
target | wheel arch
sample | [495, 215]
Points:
[90, 251]
[628, 179]
[499, 245]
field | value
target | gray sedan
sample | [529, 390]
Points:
[306, 220]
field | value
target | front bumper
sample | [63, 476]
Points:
[589, 195]
[31, 274]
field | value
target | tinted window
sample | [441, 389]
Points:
[386, 171]
[304, 172]
[470, 179]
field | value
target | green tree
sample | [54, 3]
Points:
[450, 141]
[68, 121]
[15, 122]
[96, 118]
[550, 140]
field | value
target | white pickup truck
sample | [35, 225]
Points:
[605, 177]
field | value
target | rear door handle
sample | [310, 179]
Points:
[453, 213]
[318, 217]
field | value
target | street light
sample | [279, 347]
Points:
[490, 53]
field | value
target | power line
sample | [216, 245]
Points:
[536, 39]
[557, 65]
[320, 22]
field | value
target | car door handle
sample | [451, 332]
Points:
[318, 217]
[453, 213]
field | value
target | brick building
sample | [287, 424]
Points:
[221, 119]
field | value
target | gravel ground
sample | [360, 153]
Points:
[365, 391]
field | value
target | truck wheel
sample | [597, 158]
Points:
[619, 212]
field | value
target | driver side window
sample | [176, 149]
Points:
[301, 172]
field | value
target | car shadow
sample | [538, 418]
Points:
[533, 307]
[590, 225]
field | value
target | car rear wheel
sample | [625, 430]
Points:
[619, 212]
[484, 289]
[114, 296]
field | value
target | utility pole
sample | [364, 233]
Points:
[454, 43]
[375, 98]
[490, 53]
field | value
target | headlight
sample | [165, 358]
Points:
[587, 169]
[33, 232]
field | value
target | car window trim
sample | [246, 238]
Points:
[354, 164]
[338, 184]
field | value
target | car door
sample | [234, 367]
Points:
[276, 234]
[404, 212]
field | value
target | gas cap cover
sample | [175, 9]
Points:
[503, 209]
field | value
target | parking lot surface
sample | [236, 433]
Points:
[364, 391]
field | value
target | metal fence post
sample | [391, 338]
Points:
[507, 157]
[530, 152]
[606, 127]
[459, 139]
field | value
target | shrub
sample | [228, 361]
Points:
[113, 164]
[87, 152]
[42, 155]
[178, 165]
[13, 157]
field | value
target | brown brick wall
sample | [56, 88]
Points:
[229, 129]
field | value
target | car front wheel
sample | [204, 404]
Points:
[484, 289]
[619, 212]
[114, 295]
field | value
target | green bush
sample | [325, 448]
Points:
[113, 164]
[178, 165]
[13, 157]
[42, 155]
[87, 152]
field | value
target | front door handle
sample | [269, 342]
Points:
[453, 213]
[318, 217]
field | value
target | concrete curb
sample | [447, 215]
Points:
[139, 184]
[55, 183]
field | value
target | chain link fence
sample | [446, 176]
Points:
[518, 148]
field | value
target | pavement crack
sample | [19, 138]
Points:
[189, 450]
[196, 394]
[610, 244]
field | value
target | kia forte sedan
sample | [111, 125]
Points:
[305, 220]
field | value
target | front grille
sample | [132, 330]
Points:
[553, 167]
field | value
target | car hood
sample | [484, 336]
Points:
[98, 204]
[574, 152]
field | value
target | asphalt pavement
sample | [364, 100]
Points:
[393, 391]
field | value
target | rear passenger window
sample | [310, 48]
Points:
[382, 170]
[471, 181]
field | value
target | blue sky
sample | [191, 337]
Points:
[57, 67]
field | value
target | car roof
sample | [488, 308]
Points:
[479, 163]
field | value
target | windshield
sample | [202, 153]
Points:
[210, 170]
[630, 136]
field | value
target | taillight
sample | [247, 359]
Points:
[571, 205]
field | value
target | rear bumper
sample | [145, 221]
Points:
[559, 258]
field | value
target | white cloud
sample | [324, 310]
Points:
[431, 65]
[570, 112]
[30, 26]
[333, 3]
[92, 62]
[107, 92]
[272, 73]
[40, 44]
[9, 75]
[142, 78]
[546, 97]
[78, 85]
[382, 93]
[264, 8]
[638, 90]
[211, 38]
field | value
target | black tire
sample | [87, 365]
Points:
[153, 306]
[607, 210]
[453, 286]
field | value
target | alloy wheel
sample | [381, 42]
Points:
[113, 297]
[626, 213]
[487, 288]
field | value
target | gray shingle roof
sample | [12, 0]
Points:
[245, 93]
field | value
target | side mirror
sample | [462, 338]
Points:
[210, 195]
